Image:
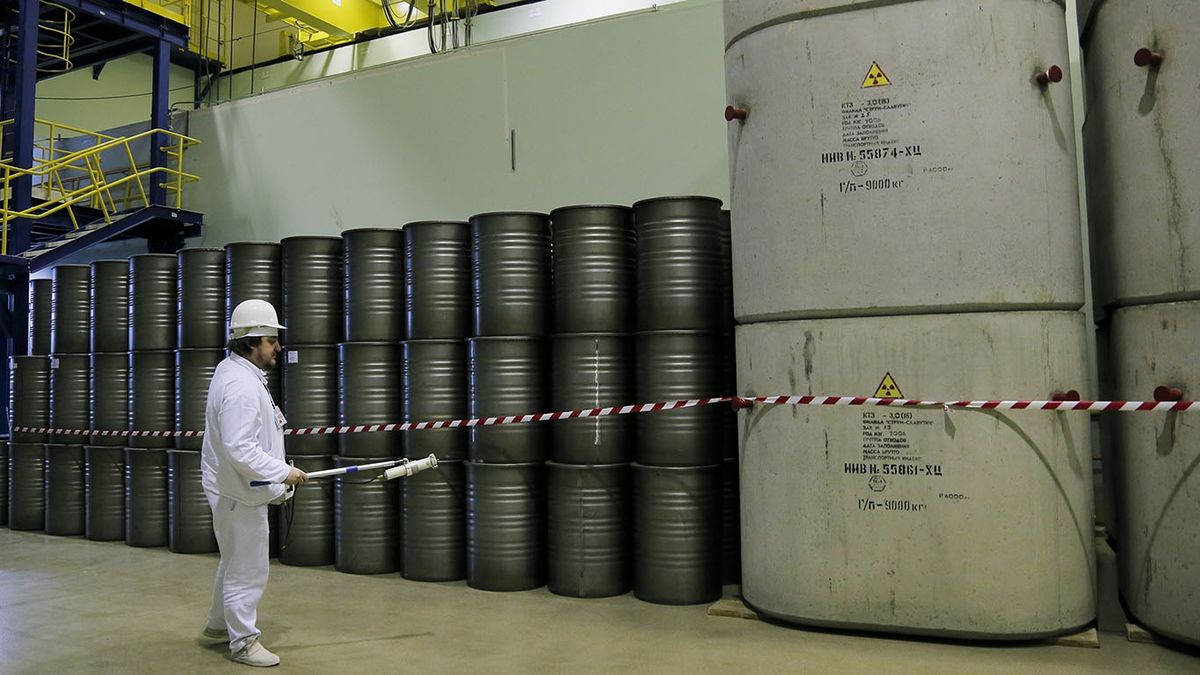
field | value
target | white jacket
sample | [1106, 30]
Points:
[243, 441]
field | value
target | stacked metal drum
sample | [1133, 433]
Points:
[108, 412]
[69, 345]
[29, 406]
[883, 246]
[510, 291]
[1142, 169]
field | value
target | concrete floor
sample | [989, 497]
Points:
[70, 605]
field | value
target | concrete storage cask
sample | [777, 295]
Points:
[857, 157]
[591, 371]
[41, 308]
[434, 387]
[152, 397]
[108, 391]
[306, 538]
[110, 306]
[70, 318]
[437, 286]
[310, 397]
[253, 271]
[153, 302]
[312, 290]
[189, 514]
[1152, 471]
[194, 369]
[374, 284]
[679, 263]
[963, 523]
[433, 538]
[69, 400]
[26, 486]
[510, 273]
[588, 525]
[29, 396]
[147, 519]
[366, 516]
[104, 493]
[677, 534]
[506, 377]
[64, 490]
[202, 298]
[506, 526]
[369, 393]
[595, 269]
[679, 365]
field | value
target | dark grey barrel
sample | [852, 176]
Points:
[189, 515]
[3, 481]
[71, 316]
[108, 390]
[671, 366]
[152, 397]
[29, 396]
[677, 534]
[69, 401]
[369, 393]
[434, 388]
[147, 497]
[374, 260]
[506, 526]
[202, 298]
[64, 490]
[679, 275]
[104, 493]
[366, 515]
[589, 521]
[729, 430]
[595, 265]
[731, 524]
[153, 302]
[433, 536]
[506, 377]
[110, 306]
[41, 309]
[312, 290]
[306, 533]
[310, 397]
[253, 271]
[592, 371]
[510, 274]
[26, 486]
[437, 286]
[193, 371]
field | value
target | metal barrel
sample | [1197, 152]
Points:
[437, 284]
[71, 314]
[152, 397]
[69, 400]
[193, 371]
[677, 534]
[729, 431]
[110, 306]
[306, 526]
[29, 396]
[506, 521]
[64, 490]
[188, 513]
[369, 393]
[153, 302]
[672, 366]
[201, 298]
[41, 308]
[679, 263]
[26, 486]
[433, 537]
[108, 392]
[374, 286]
[366, 515]
[726, 235]
[510, 274]
[731, 524]
[589, 516]
[310, 397]
[591, 371]
[3, 481]
[312, 290]
[147, 497]
[253, 271]
[595, 266]
[104, 493]
[434, 384]
[506, 377]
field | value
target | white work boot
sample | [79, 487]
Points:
[255, 654]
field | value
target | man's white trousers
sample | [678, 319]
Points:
[244, 539]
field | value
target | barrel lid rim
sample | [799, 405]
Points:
[678, 198]
[419, 223]
[374, 343]
[636, 465]
[372, 229]
[144, 256]
[457, 341]
[510, 465]
[539, 214]
[324, 237]
[121, 261]
[251, 243]
[574, 207]
[189, 249]
[567, 465]
[513, 338]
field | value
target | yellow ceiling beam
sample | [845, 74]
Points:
[336, 17]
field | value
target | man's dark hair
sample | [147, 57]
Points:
[243, 346]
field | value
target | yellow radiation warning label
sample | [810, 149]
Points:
[888, 388]
[875, 77]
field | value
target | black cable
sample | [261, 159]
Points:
[104, 98]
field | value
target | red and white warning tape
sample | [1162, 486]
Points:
[737, 401]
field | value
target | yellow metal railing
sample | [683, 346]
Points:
[55, 40]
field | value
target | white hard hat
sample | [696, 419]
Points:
[254, 318]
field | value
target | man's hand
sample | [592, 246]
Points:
[296, 476]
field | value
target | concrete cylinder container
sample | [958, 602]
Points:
[433, 538]
[1152, 471]
[1140, 150]
[677, 534]
[64, 490]
[860, 187]
[3, 482]
[194, 369]
[312, 290]
[592, 371]
[918, 521]
[595, 269]
[104, 493]
[731, 533]
[510, 274]
[310, 398]
[253, 271]
[366, 516]
[189, 514]
[152, 397]
[29, 396]
[506, 526]
[369, 393]
[26, 486]
[147, 497]
[374, 284]
[108, 391]
[437, 285]
[434, 387]
[202, 298]
[110, 306]
[679, 263]
[506, 377]
[69, 400]
[70, 318]
[41, 308]
[679, 365]
[153, 302]
[588, 525]
[306, 539]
